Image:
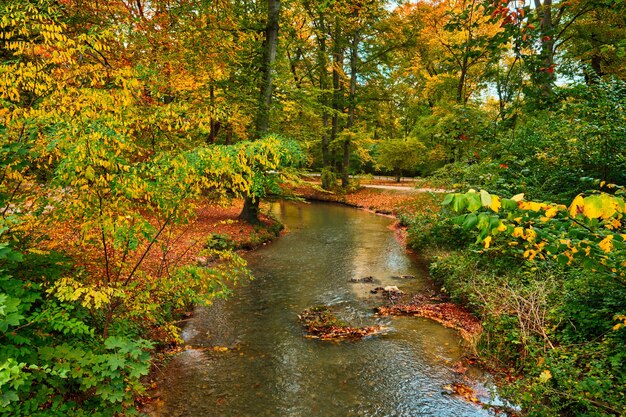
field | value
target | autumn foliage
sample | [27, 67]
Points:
[124, 122]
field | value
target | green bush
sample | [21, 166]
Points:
[430, 230]
[552, 328]
[219, 242]
[550, 152]
[546, 282]
[329, 179]
[53, 361]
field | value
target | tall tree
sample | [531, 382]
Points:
[267, 67]
[250, 211]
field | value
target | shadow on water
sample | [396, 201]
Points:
[272, 370]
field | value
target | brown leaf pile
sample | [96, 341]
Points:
[448, 314]
[322, 323]
[464, 391]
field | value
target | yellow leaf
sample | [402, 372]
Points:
[90, 173]
[551, 212]
[495, 203]
[220, 349]
[518, 232]
[577, 206]
[518, 197]
[485, 198]
[606, 244]
[487, 241]
[609, 207]
[545, 376]
[593, 207]
[530, 205]
[530, 254]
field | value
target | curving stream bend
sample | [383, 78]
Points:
[272, 370]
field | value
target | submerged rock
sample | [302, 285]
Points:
[388, 289]
[403, 276]
[368, 279]
[393, 289]
[392, 293]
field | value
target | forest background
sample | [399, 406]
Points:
[121, 118]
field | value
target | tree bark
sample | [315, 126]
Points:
[354, 56]
[323, 65]
[460, 92]
[250, 211]
[546, 72]
[337, 101]
[214, 125]
[269, 57]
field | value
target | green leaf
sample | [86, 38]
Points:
[459, 219]
[494, 222]
[459, 203]
[470, 221]
[485, 198]
[473, 201]
[116, 362]
[562, 259]
[113, 342]
[508, 204]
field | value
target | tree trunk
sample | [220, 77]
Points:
[460, 91]
[546, 72]
[269, 57]
[593, 77]
[214, 125]
[250, 212]
[323, 65]
[354, 55]
[337, 89]
[229, 135]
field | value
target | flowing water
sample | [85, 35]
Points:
[271, 369]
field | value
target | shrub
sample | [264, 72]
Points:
[219, 242]
[329, 179]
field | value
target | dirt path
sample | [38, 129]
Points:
[407, 189]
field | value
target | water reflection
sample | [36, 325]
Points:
[272, 370]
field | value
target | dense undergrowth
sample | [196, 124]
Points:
[546, 277]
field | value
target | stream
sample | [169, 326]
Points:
[271, 369]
